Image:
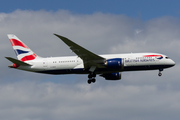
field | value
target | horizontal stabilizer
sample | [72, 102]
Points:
[18, 62]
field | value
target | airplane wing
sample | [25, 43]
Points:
[90, 59]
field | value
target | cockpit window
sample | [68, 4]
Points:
[167, 57]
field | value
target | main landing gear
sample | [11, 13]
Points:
[160, 70]
[91, 77]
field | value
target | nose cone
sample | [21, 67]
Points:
[171, 63]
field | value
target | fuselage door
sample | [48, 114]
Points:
[45, 64]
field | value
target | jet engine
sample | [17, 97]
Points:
[116, 63]
[112, 76]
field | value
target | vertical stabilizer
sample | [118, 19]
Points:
[22, 51]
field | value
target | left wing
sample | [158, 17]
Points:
[90, 59]
[18, 62]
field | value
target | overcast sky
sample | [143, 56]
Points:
[103, 28]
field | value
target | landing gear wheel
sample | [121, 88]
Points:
[91, 77]
[93, 80]
[89, 81]
[160, 74]
[160, 70]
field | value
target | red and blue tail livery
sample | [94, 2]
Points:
[23, 53]
[109, 66]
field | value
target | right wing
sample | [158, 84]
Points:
[90, 59]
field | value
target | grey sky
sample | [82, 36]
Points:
[139, 95]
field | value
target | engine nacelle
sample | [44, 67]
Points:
[116, 63]
[112, 76]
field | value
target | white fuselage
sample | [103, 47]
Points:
[75, 65]
[86, 62]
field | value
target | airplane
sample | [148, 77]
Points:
[108, 66]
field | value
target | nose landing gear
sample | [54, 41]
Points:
[160, 74]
